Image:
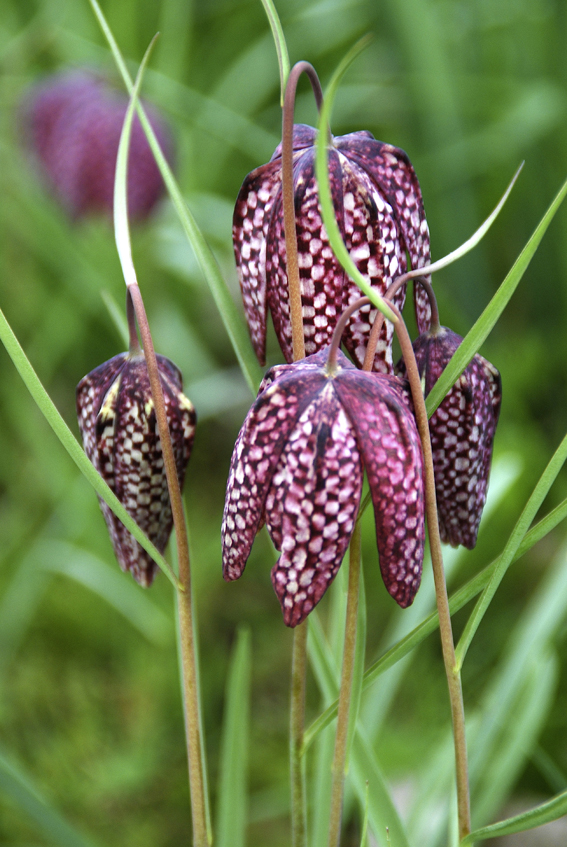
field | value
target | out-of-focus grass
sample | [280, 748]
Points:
[89, 702]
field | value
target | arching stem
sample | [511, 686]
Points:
[295, 306]
[445, 628]
[299, 657]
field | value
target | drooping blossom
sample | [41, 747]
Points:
[380, 214]
[462, 434]
[72, 124]
[298, 464]
[117, 421]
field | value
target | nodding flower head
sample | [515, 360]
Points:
[72, 125]
[298, 464]
[380, 214]
[118, 426]
[462, 434]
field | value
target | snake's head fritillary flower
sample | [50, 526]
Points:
[380, 214]
[462, 434]
[118, 426]
[73, 123]
[298, 464]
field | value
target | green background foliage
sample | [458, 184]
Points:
[90, 713]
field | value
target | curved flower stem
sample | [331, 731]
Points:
[341, 738]
[187, 639]
[299, 660]
[447, 644]
[295, 306]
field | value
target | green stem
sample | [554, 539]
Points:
[341, 738]
[445, 628]
[187, 640]
[296, 730]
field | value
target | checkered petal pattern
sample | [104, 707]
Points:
[118, 425]
[298, 465]
[380, 215]
[462, 434]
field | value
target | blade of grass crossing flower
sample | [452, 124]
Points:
[234, 323]
[71, 445]
[121, 226]
[540, 815]
[232, 799]
[479, 332]
[530, 510]
[280, 44]
[51, 824]
[326, 202]
[429, 625]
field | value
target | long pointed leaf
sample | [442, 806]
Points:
[232, 802]
[547, 812]
[486, 321]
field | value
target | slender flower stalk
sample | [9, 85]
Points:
[445, 628]
[299, 660]
[345, 694]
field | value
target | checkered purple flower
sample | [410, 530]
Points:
[118, 425]
[462, 434]
[381, 218]
[298, 464]
[73, 122]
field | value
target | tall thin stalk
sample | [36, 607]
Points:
[299, 659]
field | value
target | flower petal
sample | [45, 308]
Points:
[255, 457]
[391, 451]
[312, 504]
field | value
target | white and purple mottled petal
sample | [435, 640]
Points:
[312, 504]
[391, 451]
[255, 457]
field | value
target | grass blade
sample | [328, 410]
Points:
[232, 320]
[232, 803]
[486, 321]
[280, 44]
[51, 823]
[547, 812]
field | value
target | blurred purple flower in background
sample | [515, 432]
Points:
[72, 123]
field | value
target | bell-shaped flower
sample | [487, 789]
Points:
[298, 464]
[117, 421]
[462, 434]
[72, 125]
[380, 214]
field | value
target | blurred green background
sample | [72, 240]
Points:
[89, 697]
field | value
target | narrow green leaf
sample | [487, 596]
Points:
[430, 624]
[540, 815]
[363, 835]
[121, 226]
[49, 821]
[324, 188]
[71, 445]
[232, 319]
[280, 44]
[507, 557]
[489, 317]
[232, 801]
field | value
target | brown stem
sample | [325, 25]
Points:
[340, 328]
[296, 731]
[188, 650]
[447, 644]
[131, 318]
[341, 738]
[295, 305]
